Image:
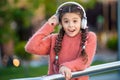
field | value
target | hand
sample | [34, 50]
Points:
[53, 20]
[66, 72]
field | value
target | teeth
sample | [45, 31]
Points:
[71, 30]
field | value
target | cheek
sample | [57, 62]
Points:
[80, 20]
[78, 25]
[77, 28]
[64, 25]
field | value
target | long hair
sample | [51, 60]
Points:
[71, 8]
[84, 33]
[58, 43]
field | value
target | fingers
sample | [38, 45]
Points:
[66, 72]
[67, 76]
[53, 20]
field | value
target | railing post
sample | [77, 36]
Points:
[118, 21]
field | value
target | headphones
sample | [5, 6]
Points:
[84, 19]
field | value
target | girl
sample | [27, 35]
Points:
[73, 48]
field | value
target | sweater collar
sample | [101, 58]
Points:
[74, 37]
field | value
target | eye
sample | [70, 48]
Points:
[66, 21]
[74, 21]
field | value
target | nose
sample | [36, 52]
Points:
[71, 24]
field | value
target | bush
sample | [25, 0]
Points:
[112, 43]
[20, 51]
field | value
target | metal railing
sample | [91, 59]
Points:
[91, 70]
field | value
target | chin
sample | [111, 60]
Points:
[72, 35]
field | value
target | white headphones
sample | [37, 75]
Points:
[84, 20]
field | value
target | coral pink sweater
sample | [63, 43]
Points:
[42, 43]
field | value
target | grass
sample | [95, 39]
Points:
[8, 73]
[97, 63]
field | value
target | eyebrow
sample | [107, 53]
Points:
[75, 18]
[72, 18]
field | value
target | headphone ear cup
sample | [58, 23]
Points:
[84, 23]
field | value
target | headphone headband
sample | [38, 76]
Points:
[84, 19]
[67, 3]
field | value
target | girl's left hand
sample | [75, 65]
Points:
[66, 72]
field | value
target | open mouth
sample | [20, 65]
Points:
[71, 30]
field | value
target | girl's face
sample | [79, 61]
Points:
[71, 23]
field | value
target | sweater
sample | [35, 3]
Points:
[43, 42]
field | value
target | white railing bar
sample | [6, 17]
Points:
[91, 70]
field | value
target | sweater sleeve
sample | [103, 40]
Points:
[78, 63]
[40, 42]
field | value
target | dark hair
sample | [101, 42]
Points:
[71, 8]
[83, 53]
[58, 45]
[58, 42]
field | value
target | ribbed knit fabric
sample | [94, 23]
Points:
[43, 42]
